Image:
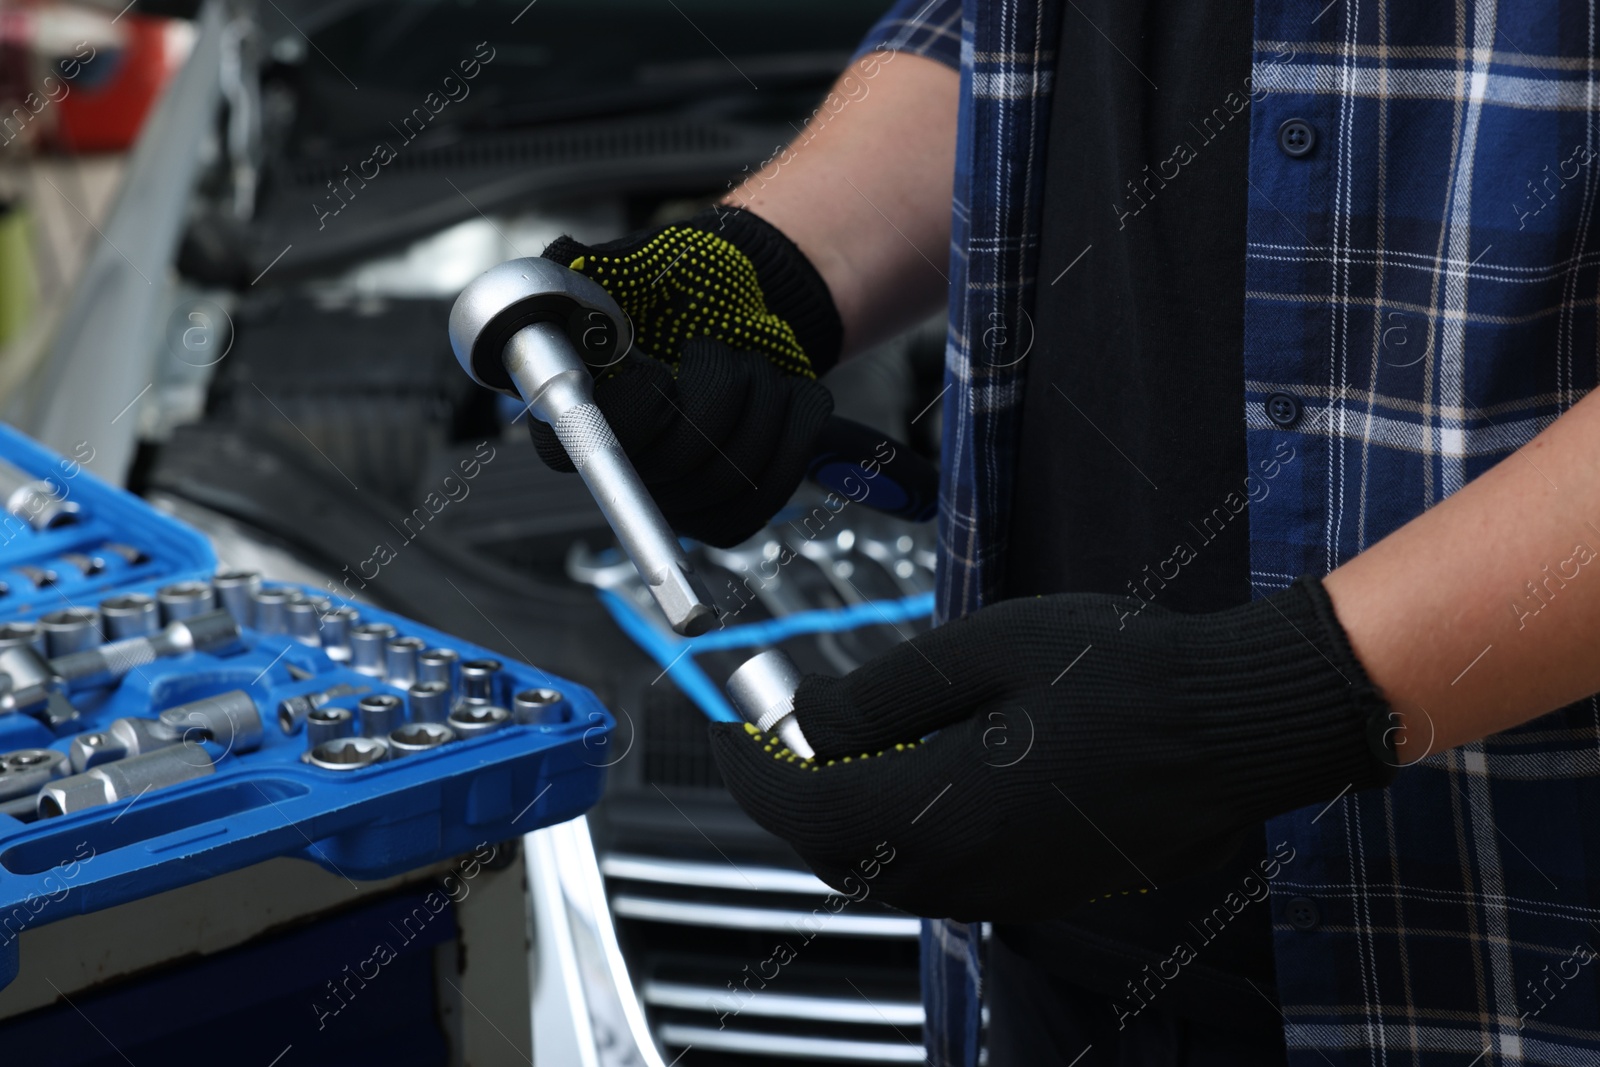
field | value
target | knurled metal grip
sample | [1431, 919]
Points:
[521, 292]
[583, 431]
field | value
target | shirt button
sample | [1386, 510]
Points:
[1297, 138]
[1283, 409]
[1302, 914]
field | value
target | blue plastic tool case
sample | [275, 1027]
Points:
[369, 823]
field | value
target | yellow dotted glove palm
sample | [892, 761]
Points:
[725, 275]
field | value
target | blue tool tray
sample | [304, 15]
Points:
[369, 823]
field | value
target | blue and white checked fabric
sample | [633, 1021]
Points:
[1424, 286]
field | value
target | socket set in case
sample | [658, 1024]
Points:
[162, 721]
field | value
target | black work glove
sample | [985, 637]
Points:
[717, 402]
[1082, 749]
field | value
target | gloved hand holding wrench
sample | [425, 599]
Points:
[722, 408]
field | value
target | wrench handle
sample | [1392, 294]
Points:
[553, 380]
[867, 467]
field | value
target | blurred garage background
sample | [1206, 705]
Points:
[230, 235]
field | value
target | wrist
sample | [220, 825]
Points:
[792, 286]
[1292, 717]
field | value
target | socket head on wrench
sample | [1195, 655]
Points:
[762, 692]
[521, 292]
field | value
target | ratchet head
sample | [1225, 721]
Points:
[521, 292]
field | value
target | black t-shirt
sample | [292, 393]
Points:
[1133, 414]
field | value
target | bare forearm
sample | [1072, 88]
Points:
[1484, 612]
[864, 191]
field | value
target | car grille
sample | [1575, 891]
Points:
[749, 965]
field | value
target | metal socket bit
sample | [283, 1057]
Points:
[125, 779]
[381, 713]
[235, 589]
[539, 707]
[41, 577]
[29, 682]
[327, 723]
[33, 757]
[400, 660]
[181, 600]
[22, 633]
[38, 502]
[270, 610]
[367, 643]
[130, 615]
[430, 702]
[474, 720]
[762, 691]
[439, 665]
[292, 711]
[305, 619]
[24, 772]
[127, 553]
[346, 753]
[416, 737]
[479, 679]
[120, 739]
[214, 632]
[70, 630]
[336, 625]
[87, 565]
[229, 719]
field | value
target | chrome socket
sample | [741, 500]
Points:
[327, 724]
[130, 615]
[762, 691]
[346, 753]
[270, 609]
[400, 660]
[539, 707]
[228, 719]
[475, 720]
[480, 678]
[430, 702]
[336, 626]
[381, 713]
[32, 681]
[416, 737]
[292, 711]
[39, 502]
[22, 633]
[236, 590]
[367, 643]
[70, 630]
[440, 665]
[182, 600]
[305, 619]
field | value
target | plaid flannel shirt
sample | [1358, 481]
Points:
[1421, 300]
